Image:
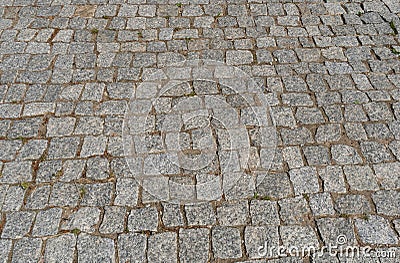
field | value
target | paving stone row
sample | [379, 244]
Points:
[68, 70]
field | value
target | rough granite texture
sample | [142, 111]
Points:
[330, 71]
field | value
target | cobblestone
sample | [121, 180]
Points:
[376, 231]
[194, 245]
[162, 247]
[226, 242]
[143, 219]
[95, 248]
[61, 248]
[73, 190]
[17, 224]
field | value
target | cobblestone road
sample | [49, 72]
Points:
[330, 70]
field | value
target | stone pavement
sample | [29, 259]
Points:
[73, 173]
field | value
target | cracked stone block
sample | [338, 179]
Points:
[298, 236]
[352, 204]
[233, 213]
[321, 204]
[332, 228]
[172, 215]
[285, 56]
[376, 231]
[360, 178]
[60, 249]
[47, 222]
[256, 237]
[334, 113]
[113, 221]
[226, 242]
[132, 247]
[194, 245]
[27, 250]
[202, 214]
[143, 219]
[17, 224]
[344, 154]
[162, 247]
[294, 210]
[305, 180]
[333, 179]
[95, 249]
[264, 212]
[386, 202]
[85, 219]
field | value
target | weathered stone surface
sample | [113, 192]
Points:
[47, 222]
[162, 247]
[226, 242]
[17, 225]
[60, 249]
[194, 245]
[305, 180]
[94, 248]
[132, 247]
[27, 250]
[376, 230]
[264, 213]
[234, 213]
[143, 219]
[323, 158]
